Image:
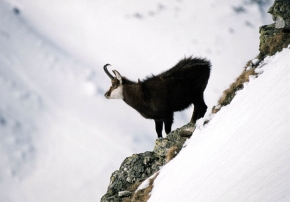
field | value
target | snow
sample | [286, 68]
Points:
[243, 154]
[146, 182]
[60, 139]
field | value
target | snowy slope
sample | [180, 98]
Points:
[243, 154]
[59, 138]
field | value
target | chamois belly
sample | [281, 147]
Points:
[152, 115]
[181, 106]
[155, 112]
[162, 111]
[180, 103]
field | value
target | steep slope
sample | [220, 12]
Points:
[243, 153]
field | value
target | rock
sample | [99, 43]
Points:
[174, 138]
[275, 37]
[111, 199]
[187, 132]
[280, 11]
[267, 32]
[135, 168]
[138, 167]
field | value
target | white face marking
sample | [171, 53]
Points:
[117, 93]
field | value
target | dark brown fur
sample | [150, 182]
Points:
[158, 97]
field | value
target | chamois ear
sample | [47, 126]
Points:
[118, 76]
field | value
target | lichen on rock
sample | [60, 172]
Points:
[162, 145]
[138, 167]
[276, 36]
[280, 11]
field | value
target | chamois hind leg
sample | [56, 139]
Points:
[199, 110]
[158, 127]
[194, 114]
[168, 123]
[202, 110]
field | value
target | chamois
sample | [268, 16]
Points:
[158, 97]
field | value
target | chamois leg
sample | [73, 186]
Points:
[202, 110]
[199, 110]
[158, 127]
[194, 115]
[168, 123]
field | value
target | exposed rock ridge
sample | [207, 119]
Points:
[276, 36]
[138, 167]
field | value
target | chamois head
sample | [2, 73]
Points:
[116, 89]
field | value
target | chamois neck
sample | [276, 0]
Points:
[133, 94]
[126, 81]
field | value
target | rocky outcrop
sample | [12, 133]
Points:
[276, 36]
[139, 167]
[135, 168]
[280, 11]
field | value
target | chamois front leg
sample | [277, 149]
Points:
[168, 123]
[158, 127]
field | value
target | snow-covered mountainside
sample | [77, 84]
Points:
[59, 138]
[243, 153]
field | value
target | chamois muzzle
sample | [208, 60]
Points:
[107, 72]
[107, 95]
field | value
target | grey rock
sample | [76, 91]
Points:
[280, 11]
[135, 168]
[162, 145]
[275, 37]
[111, 199]
[139, 167]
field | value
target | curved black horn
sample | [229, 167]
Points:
[107, 72]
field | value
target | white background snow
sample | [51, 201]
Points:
[60, 139]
